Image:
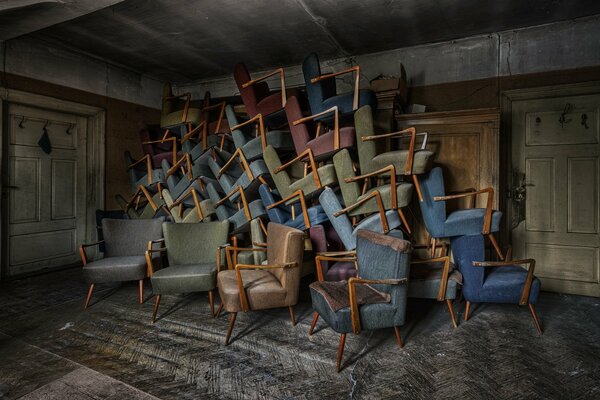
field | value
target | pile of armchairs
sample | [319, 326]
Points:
[305, 184]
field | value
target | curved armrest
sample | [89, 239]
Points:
[186, 107]
[242, 196]
[306, 153]
[82, 252]
[356, 69]
[390, 169]
[268, 75]
[193, 132]
[299, 195]
[411, 147]
[377, 195]
[336, 124]
[243, 162]
[179, 164]
[530, 262]
[146, 158]
[487, 221]
[445, 272]
[355, 316]
[150, 261]
[259, 244]
[242, 291]
[333, 256]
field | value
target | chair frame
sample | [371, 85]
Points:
[336, 124]
[355, 69]
[276, 71]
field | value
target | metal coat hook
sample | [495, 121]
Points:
[68, 131]
[563, 117]
[584, 122]
[21, 123]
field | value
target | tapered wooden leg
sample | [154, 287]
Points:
[314, 323]
[535, 319]
[219, 310]
[451, 309]
[292, 316]
[211, 301]
[156, 304]
[232, 317]
[398, 337]
[89, 296]
[467, 310]
[418, 187]
[433, 246]
[141, 285]
[341, 351]
[496, 247]
[404, 221]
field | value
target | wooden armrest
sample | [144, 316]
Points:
[192, 132]
[306, 153]
[445, 272]
[377, 195]
[332, 256]
[261, 128]
[221, 107]
[337, 253]
[244, 163]
[411, 148]
[84, 245]
[390, 169]
[234, 248]
[82, 252]
[242, 196]
[150, 260]
[186, 107]
[355, 316]
[260, 244]
[336, 123]
[238, 274]
[268, 75]
[299, 194]
[178, 96]
[487, 221]
[528, 281]
[178, 164]
[356, 69]
[159, 250]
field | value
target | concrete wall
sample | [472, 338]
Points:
[559, 46]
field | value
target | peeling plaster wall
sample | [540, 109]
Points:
[559, 46]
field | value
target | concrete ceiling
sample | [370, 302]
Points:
[187, 40]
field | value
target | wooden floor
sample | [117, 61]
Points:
[50, 348]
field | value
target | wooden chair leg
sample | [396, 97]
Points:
[211, 301]
[89, 296]
[535, 319]
[404, 221]
[496, 247]
[398, 337]
[141, 285]
[451, 309]
[468, 306]
[292, 316]
[314, 323]
[156, 304]
[219, 310]
[418, 187]
[341, 351]
[232, 317]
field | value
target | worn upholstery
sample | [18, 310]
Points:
[269, 288]
[231, 179]
[172, 110]
[157, 151]
[489, 284]
[112, 214]
[425, 280]
[372, 154]
[125, 243]
[282, 214]
[189, 213]
[138, 175]
[379, 257]
[457, 223]
[191, 251]
[237, 217]
[323, 95]
[343, 225]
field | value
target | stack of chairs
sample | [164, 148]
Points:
[325, 178]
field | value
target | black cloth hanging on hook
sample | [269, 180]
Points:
[44, 142]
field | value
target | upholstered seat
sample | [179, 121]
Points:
[423, 160]
[262, 288]
[185, 278]
[141, 173]
[282, 214]
[115, 269]
[239, 218]
[470, 221]
[344, 100]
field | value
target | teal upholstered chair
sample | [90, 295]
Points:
[193, 253]
[239, 213]
[142, 174]
[372, 154]
[383, 268]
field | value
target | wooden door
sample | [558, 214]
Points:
[44, 193]
[555, 153]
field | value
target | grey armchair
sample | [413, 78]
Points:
[383, 266]
[193, 252]
[124, 244]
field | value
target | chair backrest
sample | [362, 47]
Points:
[253, 93]
[170, 105]
[363, 123]
[194, 243]
[434, 212]
[384, 257]
[241, 135]
[465, 250]
[223, 211]
[343, 169]
[276, 214]
[284, 245]
[300, 133]
[129, 237]
[341, 223]
[281, 179]
[319, 91]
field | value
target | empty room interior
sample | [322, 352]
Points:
[299, 199]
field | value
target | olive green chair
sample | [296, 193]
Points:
[176, 110]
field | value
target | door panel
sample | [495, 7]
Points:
[47, 210]
[555, 144]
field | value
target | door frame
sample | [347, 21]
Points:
[507, 98]
[95, 151]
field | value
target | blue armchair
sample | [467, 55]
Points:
[383, 262]
[494, 282]
[460, 222]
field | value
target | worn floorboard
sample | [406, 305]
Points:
[49, 345]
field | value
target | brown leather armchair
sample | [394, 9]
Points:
[271, 285]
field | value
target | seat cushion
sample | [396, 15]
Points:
[194, 115]
[262, 289]
[425, 282]
[115, 269]
[345, 101]
[422, 162]
[307, 184]
[340, 271]
[316, 216]
[469, 222]
[184, 278]
[505, 285]
[280, 140]
[404, 193]
[322, 146]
